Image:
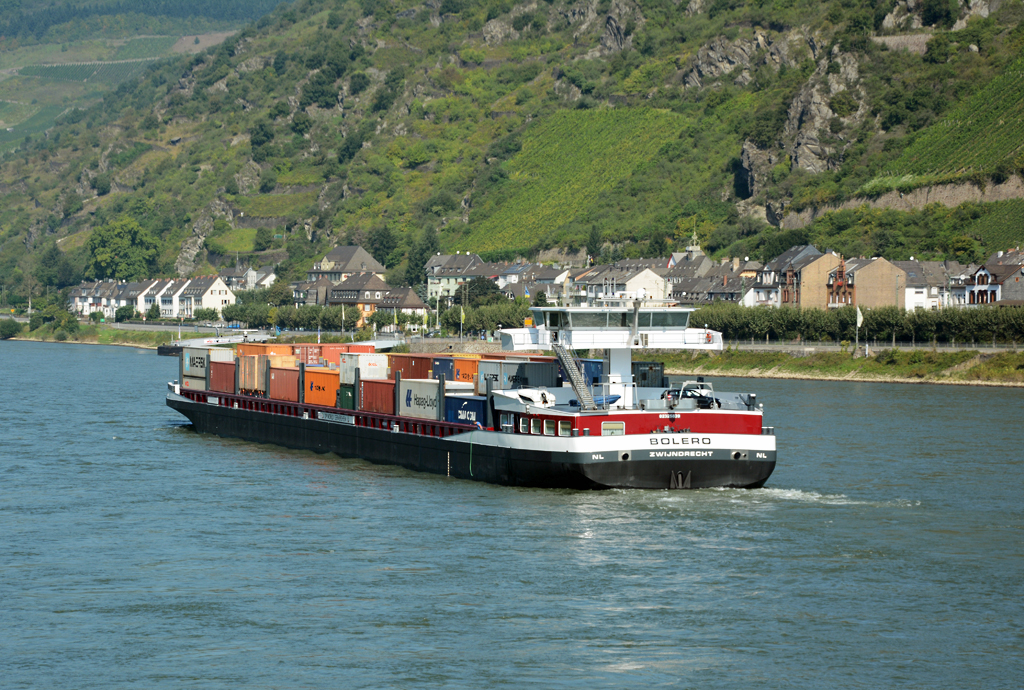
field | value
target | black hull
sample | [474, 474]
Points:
[479, 462]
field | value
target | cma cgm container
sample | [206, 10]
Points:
[377, 396]
[252, 373]
[284, 384]
[194, 360]
[222, 377]
[330, 353]
[321, 387]
[593, 370]
[508, 374]
[370, 366]
[410, 366]
[418, 398]
[466, 409]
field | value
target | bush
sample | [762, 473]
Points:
[9, 328]
[61, 335]
[124, 313]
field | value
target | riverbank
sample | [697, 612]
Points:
[101, 334]
[963, 368]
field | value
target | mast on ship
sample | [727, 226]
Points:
[618, 326]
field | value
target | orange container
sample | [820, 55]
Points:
[246, 349]
[465, 369]
[362, 349]
[322, 387]
[411, 366]
[332, 352]
[284, 384]
[377, 395]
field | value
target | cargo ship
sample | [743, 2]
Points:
[514, 418]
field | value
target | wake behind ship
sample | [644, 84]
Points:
[512, 418]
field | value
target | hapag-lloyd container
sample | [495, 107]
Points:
[222, 377]
[321, 387]
[370, 366]
[284, 384]
[377, 396]
[507, 375]
[465, 409]
[194, 360]
[410, 366]
[418, 398]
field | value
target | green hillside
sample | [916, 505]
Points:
[983, 134]
[510, 130]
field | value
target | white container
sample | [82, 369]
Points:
[418, 398]
[194, 360]
[369, 366]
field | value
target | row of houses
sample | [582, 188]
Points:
[803, 277]
[175, 298]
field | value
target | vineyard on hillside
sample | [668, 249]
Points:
[980, 135]
[1002, 226]
[105, 72]
[566, 162]
[146, 48]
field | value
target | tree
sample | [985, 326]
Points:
[153, 313]
[280, 294]
[421, 252]
[381, 243]
[594, 242]
[264, 238]
[478, 292]
[205, 314]
[124, 313]
[9, 328]
[55, 269]
[121, 250]
[352, 316]
[540, 299]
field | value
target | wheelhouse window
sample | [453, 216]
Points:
[613, 428]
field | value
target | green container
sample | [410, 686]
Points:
[346, 397]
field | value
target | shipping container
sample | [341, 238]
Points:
[370, 366]
[364, 349]
[283, 361]
[593, 370]
[307, 354]
[442, 366]
[252, 373]
[331, 353]
[322, 387]
[284, 384]
[410, 366]
[466, 409]
[346, 397]
[193, 383]
[377, 396]
[251, 349]
[194, 360]
[222, 377]
[510, 374]
[649, 374]
[418, 398]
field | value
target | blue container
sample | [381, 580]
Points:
[593, 370]
[465, 409]
[443, 365]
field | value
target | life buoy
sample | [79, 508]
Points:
[708, 337]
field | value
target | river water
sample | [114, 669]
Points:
[886, 551]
